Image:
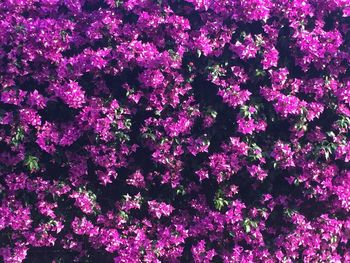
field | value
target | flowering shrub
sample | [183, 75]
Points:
[174, 131]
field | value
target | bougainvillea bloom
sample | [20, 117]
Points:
[174, 131]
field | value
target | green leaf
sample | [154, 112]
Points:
[213, 114]
[180, 190]
[289, 212]
[260, 73]
[275, 165]
[248, 224]
[243, 35]
[330, 134]
[296, 182]
[334, 239]
[118, 112]
[32, 163]
[344, 122]
[118, 3]
[326, 155]
[122, 136]
[18, 137]
[127, 123]
[247, 228]
[254, 224]
[130, 92]
[219, 201]
[206, 141]
[64, 34]
[149, 135]
[124, 215]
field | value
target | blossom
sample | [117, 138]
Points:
[288, 105]
[257, 171]
[234, 96]
[151, 78]
[84, 201]
[283, 154]
[30, 116]
[202, 174]
[247, 49]
[48, 137]
[136, 179]
[198, 145]
[159, 209]
[72, 94]
[343, 151]
[248, 126]
[270, 58]
[82, 226]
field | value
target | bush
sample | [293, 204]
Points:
[174, 131]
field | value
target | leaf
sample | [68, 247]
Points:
[118, 3]
[289, 212]
[296, 182]
[334, 239]
[127, 123]
[254, 224]
[180, 190]
[213, 114]
[260, 73]
[219, 201]
[124, 215]
[32, 163]
[275, 165]
[330, 134]
[247, 228]
[326, 155]
[19, 136]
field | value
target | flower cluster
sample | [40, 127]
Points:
[174, 131]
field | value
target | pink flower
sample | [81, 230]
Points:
[72, 94]
[48, 137]
[136, 179]
[202, 174]
[84, 201]
[257, 171]
[283, 154]
[198, 145]
[159, 209]
[234, 96]
[151, 78]
[245, 126]
[247, 49]
[343, 151]
[82, 226]
[270, 58]
[106, 177]
[35, 99]
[288, 105]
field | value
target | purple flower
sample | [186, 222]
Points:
[159, 209]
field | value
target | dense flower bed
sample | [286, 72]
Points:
[175, 130]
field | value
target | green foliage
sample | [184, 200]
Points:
[32, 162]
[248, 224]
[343, 122]
[18, 137]
[219, 201]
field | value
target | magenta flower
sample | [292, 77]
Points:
[159, 209]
